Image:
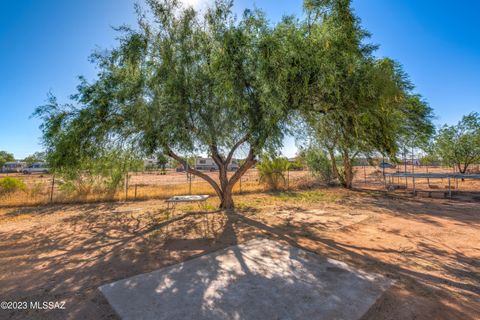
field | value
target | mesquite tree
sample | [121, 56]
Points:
[459, 145]
[181, 83]
[369, 101]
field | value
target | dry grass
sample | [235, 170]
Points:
[144, 186]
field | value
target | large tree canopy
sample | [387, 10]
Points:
[369, 101]
[182, 83]
[185, 83]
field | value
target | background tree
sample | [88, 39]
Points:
[429, 159]
[105, 172]
[5, 157]
[35, 157]
[414, 127]
[459, 145]
[369, 101]
[162, 161]
[319, 164]
[181, 84]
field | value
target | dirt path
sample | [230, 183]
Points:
[431, 247]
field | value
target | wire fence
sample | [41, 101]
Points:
[44, 189]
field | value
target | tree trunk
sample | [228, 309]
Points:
[334, 164]
[462, 171]
[226, 201]
[224, 189]
[348, 173]
[226, 185]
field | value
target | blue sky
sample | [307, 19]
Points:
[44, 46]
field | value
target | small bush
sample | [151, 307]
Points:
[272, 172]
[10, 185]
[318, 162]
[297, 165]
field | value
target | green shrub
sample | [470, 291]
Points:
[319, 164]
[297, 165]
[10, 185]
[272, 171]
[103, 174]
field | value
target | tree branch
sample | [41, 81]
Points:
[249, 162]
[222, 167]
[202, 175]
[216, 154]
[235, 147]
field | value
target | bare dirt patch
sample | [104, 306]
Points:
[430, 247]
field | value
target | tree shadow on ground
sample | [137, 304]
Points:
[423, 209]
[70, 259]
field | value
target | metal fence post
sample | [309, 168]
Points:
[190, 185]
[288, 178]
[414, 192]
[449, 188]
[126, 187]
[52, 188]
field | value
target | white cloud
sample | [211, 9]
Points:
[197, 4]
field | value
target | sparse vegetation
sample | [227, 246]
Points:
[5, 157]
[272, 171]
[459, 145]
[10, 185]
[35, 157]
[319, 164]
[103, 174]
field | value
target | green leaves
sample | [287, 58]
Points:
[459, 144]
[272, 171]
[9, 185]
[319, 164]
[355, 103]
[5, 157]
[35, 157]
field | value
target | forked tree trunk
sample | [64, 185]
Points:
[226, 202]
[226, 198]
[225, 187]
[462, 170]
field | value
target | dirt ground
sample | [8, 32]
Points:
[430, 247]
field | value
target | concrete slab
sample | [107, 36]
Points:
[260, 279]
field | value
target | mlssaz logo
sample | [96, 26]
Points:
[47, 305]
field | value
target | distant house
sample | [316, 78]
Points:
[14, 166]
[150, 163]
[210, 165]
